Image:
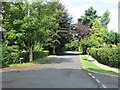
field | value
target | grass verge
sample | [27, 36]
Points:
[68, 51]
[36, 61]
[91, 66]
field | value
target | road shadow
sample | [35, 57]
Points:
[56, 60]
[63, 58]
[70, 53]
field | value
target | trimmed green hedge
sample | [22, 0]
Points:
[107, 56]
[11, 55]
[36, 55]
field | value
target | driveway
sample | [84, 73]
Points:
[60, 72]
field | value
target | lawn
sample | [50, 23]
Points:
[91, 66]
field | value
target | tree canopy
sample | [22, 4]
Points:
[105, 19]
[89, 17]
[28, 23]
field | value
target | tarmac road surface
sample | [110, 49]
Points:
[60, 72]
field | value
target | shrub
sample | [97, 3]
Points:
[88, 43]
[5, 55]
[36, 55]
[39, 54]
[10, 54]
[107, 56]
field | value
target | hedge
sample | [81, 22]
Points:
[36, 55]
[107, 56]
[11, 55]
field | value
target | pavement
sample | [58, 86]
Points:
[102, 65]
[60, 72]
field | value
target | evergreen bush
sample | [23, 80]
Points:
[107, 56]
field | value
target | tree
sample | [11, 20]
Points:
[89, 17]
[95, 38]
[97, 32]
[38, 24]
[61, 35]
[82, 31]
[87, 44]
[28, 23]
[111, 37]
[64, 21]
[105, 19]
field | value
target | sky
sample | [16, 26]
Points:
[76, 8]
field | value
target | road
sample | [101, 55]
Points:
[60, 72]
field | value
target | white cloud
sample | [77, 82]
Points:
[93, 1]
[66, 2]
[113, 24]
[111, 1]
[77, 11]
[114, 19]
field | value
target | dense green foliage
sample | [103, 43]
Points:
[10, 54]
[26, 24]
[89, 17]
[95, 38]
[57, 40]
[111, 37]
[99, 36]
[105, 19]
[73, 46]
[107, 56]
[87, 44]
[36, 55]
[33, 26]
[97, 32]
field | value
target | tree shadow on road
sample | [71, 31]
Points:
[67, 57]
[59, 60]
[70, 53]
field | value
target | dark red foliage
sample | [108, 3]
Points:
[82, 30]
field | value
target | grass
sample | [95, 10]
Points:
[91, 66]
[68, 51]
[36, 61]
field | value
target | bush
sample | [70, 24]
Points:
[88, 43]
[36, 55]
[5, 55]
[107, 56]
[39, 54]
[10, 54]
[73, 46]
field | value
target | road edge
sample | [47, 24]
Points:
[83, 68]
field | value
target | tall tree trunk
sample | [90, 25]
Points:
[30, 52]
[54, 50]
